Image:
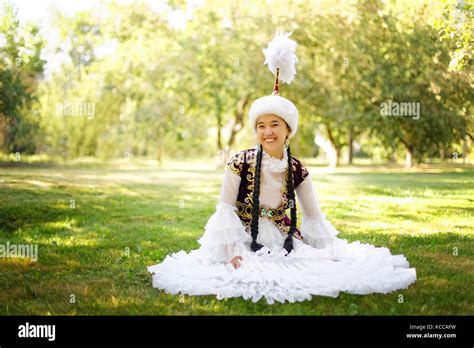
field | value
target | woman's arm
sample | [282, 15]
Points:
[224, 233]
[316, 230]
[230, 187]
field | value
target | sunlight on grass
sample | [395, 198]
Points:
[41, 184]
[66, 224]
[128, 216]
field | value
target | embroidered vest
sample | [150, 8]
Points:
[244, 165]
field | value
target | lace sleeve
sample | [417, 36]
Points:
[224, 234]
[316, 230]
[230, 187]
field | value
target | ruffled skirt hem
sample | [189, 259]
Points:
[354, 268]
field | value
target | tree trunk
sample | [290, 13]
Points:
[3, 134]
[334, 157]
[409, 156]
[219, 136]
[464, 150]
[350, 144]
[159, 152]
[219, 122]
[337, 157]
[238, 120]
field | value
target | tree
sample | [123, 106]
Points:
[20, 70]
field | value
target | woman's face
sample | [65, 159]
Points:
[272, 132]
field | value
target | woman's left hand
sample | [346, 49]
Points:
[235, 261]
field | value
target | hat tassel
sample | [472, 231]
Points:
[275, 86]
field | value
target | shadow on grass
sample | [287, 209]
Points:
[106, 281]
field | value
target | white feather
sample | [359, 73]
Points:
[280, 53]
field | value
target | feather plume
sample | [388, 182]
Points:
[280, 54]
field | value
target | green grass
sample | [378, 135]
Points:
[130, 216]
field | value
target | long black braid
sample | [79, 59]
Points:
[256, 203]
[288, 245]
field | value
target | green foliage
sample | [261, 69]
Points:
[456, 26]
[370, 54]
[155, 89]
[20, 69]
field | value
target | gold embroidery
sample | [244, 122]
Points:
[244, 209]
[235, 164]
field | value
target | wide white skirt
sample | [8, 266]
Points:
[355, 268]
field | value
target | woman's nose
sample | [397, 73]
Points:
[268, 132]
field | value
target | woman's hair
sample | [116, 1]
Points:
[288, 244]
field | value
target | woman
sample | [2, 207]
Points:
[250, 247]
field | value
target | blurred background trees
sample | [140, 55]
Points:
[177, 80]
[20, 72]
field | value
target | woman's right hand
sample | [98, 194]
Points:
[235, 261]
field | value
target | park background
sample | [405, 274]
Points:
[117, 118]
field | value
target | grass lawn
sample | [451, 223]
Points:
[98, 226]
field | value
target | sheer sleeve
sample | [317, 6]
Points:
[224, 234]
[316, 230]
[230, 187]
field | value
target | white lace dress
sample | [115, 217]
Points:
[322, 265]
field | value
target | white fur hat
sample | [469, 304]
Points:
[276, 105]
[281, 59]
